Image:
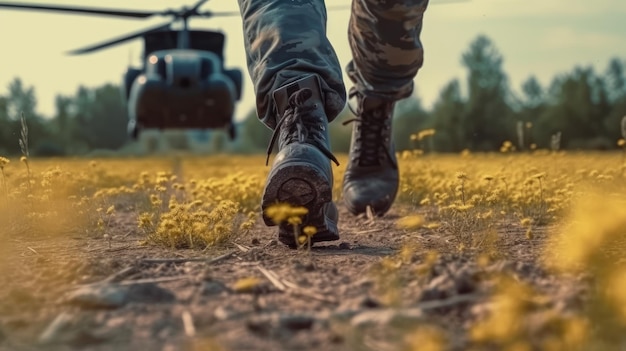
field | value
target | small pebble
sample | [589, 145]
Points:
[344, 246]
[212, 288]
[296, 323]
[370, 302]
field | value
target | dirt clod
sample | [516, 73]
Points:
[114, 296]
[296, 322]
[386, 317]
[212, 288]
[344, 246]
[106, 296]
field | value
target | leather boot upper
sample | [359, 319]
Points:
[301, 173]
[302, 120]
[371, 177]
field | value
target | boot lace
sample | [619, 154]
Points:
[373, 134]
[300, 125]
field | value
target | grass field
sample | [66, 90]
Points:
[508, 251]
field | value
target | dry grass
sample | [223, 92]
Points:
[200, 202]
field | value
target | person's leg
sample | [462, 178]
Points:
[299, 88]
[386, 48]
[387, 54]
[286, 40]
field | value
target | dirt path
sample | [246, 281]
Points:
[94, 294]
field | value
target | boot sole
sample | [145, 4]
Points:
[379, 211]
[301, 184]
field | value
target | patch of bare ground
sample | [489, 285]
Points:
[360, 293]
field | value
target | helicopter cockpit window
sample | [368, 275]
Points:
[199, 40]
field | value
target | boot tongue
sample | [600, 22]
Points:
[300, 97]
[373, 103]
[374, 130]
[283, 96]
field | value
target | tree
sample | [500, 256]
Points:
[488, 116]
[341, 134]
[616, 81]
[63, 121]
[579, 105]
[101, 117]
[4, 124]
[533, 93]
[448, 119]
[253, 136]
[21, 100]
[532, 106]
[409, 118]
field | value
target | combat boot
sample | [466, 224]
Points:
[301, 174]
[371, 177]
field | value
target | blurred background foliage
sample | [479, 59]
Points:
[584, 105]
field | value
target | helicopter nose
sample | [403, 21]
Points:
[184, 82]
[182, 71]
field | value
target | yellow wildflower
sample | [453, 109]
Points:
[309, 230]
[410, 222]
[247, 284]
[282, 212]
[3, 162]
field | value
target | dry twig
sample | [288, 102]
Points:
[370, 215]
[451, 301]
[53, 329]
[291, 288]
[190, 329]
[153, 280]
[272, 278]
[118, 275]
[368, 231]
[190, 259]
[242, 247]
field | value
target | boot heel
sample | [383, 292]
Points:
[297, 184]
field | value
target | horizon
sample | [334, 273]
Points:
[541, 40]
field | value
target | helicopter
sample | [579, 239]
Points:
[183, 83]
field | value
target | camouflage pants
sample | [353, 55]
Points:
[287, 39]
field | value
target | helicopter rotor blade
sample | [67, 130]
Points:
[198, 5]
[219, 14]
[81, 10]
[120, 40]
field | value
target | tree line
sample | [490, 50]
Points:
[91, 119]
[582, 109]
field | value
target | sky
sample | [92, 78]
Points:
[536, 37]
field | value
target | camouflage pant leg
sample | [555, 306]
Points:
[385, 41]
[284, 41]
